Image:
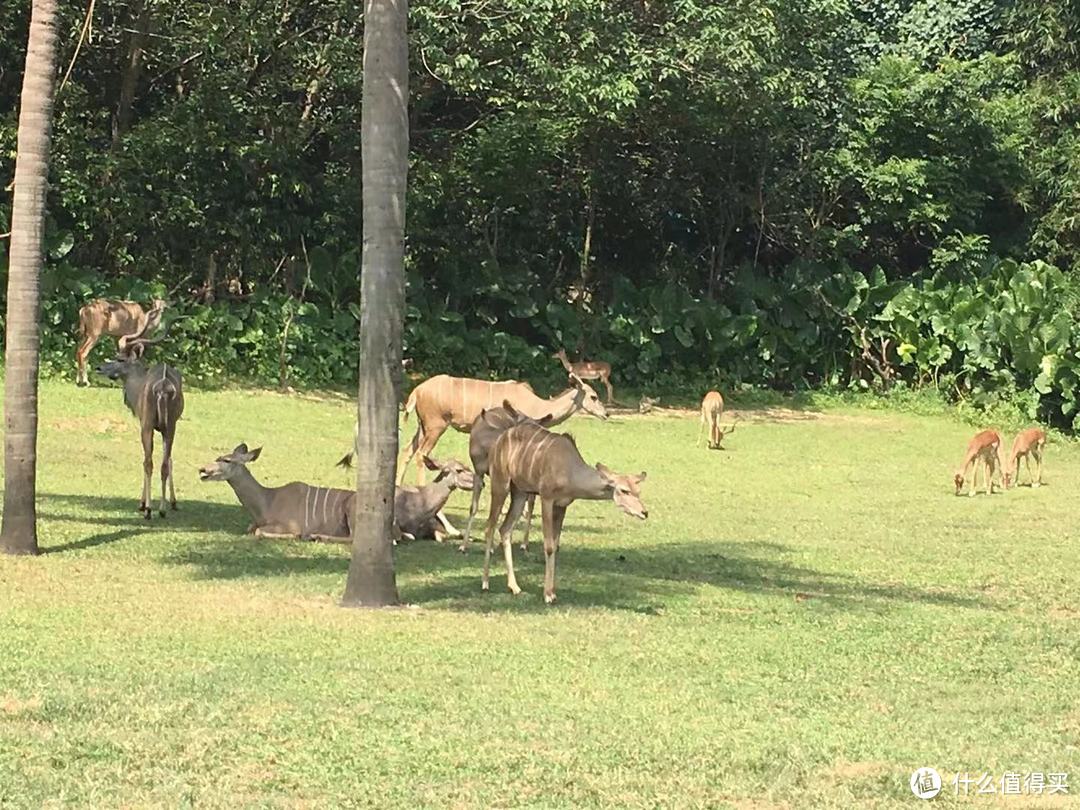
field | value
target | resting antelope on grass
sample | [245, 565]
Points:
[105, 316]
[712, 408]
[530, 460]
[984, 450]
[1028, 443]
[156, 397]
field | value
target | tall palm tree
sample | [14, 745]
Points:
[19, 532]
[385, 155]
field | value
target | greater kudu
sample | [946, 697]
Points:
[529, 460]
[444, 402]
[155, 396]
[106, 316]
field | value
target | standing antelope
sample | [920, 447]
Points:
[156, 397]
[105, 316]
[444, 402]
[984, 450]
[487, 428]
[530, 460]
[1029, 442]
[712, 408]
[589, 370]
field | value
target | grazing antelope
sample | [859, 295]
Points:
[444, 402]
[106, 316]
[712, 408]
[1028, 443]
[155, 396]
[488, 427]
[530, 460]
[588, 370]
[984, 450]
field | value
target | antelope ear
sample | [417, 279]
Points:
[254, 454]
[510, 409]
[547, 420]
[605, 472]
[641, 477]
[431, 464]
[239, 450]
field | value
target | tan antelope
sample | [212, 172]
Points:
[984, 450]
[712, 408]
[487, 428]
[530, 460]
[588, 370]
[1028, 443]
[309, 512]
[106, 316]
[454, 402]
[155, 396]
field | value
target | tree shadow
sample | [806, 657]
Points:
[641, 579]
[191, 516]
[90, 542]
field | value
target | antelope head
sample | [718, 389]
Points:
[626, 491]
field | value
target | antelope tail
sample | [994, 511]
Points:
[410, 405]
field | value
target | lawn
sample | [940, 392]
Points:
[804, 619]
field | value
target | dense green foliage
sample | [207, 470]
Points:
[688, 189]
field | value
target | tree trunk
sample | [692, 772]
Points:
[19, 532]
[385, 155]
[132, 71]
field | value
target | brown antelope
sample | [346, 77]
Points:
[984, 450]
[589, 370]
[487, 428]
[444, 402]
[156, 397]
[530, 460]
[1028, 443]
[106, 316]
[712, 408]
[324, 513]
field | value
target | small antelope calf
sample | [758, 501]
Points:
[1028, 443]
[984, 450]
[105, 316]
[712, 408]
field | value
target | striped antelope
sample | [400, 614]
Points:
[444, 402]
[984, 450]
[106, 316]
[1028, 443]
[156, 397]
[487, 428]
[529, 460]
[588, 370]
[325, 513]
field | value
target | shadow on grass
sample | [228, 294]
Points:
[641, 579]
[90, 542]
[191, 516]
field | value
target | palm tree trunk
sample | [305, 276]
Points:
[19, 532]
[385, 155]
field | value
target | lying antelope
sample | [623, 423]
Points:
[156, 397]
[588, 370]
[712, 408]
[487, 428]
[1028, 443]
[984, 450]
[530, 460]
[105, 316]
[325, 513]
[444, 402]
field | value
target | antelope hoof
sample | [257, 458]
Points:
[524, 547]
[146, 514]
[971, 494]
[515, 590]
[463, 548]
[549, 598]
[484, 587]
[1036, 485]
[174, 506]
[161, 512]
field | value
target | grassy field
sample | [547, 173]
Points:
[804, 619]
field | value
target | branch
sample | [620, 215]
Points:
[78, 45]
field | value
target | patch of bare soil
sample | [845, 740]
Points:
[90, 424]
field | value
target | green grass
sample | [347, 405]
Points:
[805, 618]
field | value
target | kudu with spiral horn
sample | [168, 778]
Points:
[155, 395]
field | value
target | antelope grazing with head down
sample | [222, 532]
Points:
[588, 370]
[984, 450]
[1028, 443]
[712, 408]
[529, 460]
[156, 397]
[444, 402]
[105, 316]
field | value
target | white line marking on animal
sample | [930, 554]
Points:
[307, 498]
[539, 453]
[326, 500]
[524, 450]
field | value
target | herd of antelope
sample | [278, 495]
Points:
[510, 442]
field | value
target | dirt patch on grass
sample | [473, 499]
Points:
[90, 424]
[844, 771]
[12, 706]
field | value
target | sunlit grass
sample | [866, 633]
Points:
[805, 618]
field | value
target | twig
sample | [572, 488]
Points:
[78, 45]
[283, 371]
